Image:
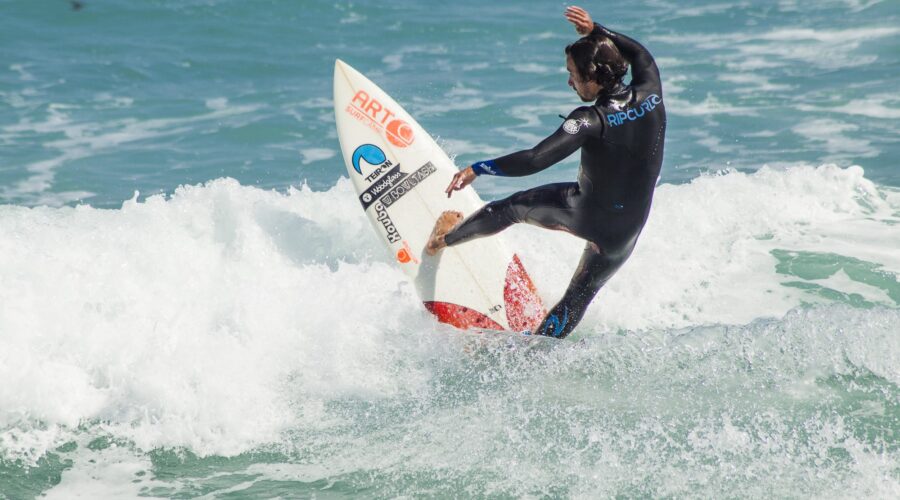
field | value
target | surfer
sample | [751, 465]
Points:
[621, 137]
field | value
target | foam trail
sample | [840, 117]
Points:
[714, 248]
[226, 319]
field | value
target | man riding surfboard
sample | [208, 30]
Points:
[621, 137]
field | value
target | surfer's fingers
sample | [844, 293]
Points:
[574, 12]
[453, 185]
[582, 26]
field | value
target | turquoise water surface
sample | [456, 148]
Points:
[195, 306]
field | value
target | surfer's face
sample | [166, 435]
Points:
[587, 90]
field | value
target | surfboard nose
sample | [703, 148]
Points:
[344, 71]
[340, 67]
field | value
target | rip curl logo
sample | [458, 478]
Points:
[632, 114]
[572, 126]
[370, 111]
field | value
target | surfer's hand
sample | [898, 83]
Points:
[460, 180]
[580, 18]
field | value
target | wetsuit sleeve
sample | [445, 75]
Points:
[565, 141]
[643, 67]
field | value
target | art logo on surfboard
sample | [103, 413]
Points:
[381, 119]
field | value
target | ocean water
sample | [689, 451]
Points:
[194, 305]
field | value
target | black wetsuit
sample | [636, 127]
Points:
[621, 138]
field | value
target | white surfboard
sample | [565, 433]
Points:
[400, 174]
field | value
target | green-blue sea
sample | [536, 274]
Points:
[193, 304]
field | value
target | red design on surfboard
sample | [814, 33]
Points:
[524, 308]
[461, 317]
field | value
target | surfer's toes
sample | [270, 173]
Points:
[445, 223]
[449, 219]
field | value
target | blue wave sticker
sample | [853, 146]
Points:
[369, 152]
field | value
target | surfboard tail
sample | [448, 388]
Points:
[461, 317]
[524, 307]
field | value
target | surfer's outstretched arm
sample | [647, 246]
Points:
[565, 141]
[579, 125]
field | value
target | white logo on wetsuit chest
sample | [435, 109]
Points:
[572, 126]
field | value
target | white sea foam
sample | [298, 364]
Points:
[110, 473]
[673, 84]
[712, 41]
[475, 66]
[24, 75]
[455, 147]
[711, 105]
[753, 83]
[542, 69]
[460, 90]
[753, 63]
[217, 103]
[831, 135]
[749, 50]
[316, 154]
[118, 296]
[875, 106]
[424, 107]
[720, 230]
[226, 316]
[861, 5]
[353, 18]
[670, 62]
[714, 143]
[85, 139]
[545, 35]
[706, 9]
[317, 102]
[872, 107]
[642, 411]
[110, 101]
[394, 61]
[13, 99]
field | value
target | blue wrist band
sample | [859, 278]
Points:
[486, 167]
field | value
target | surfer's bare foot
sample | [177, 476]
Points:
[445, 223]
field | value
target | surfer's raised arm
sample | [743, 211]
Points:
[644, 71]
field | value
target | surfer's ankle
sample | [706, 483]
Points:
[435, 245]
[445, 223]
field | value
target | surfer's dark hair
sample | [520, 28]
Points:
[598, 59]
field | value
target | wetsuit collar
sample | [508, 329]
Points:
[619, 93]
